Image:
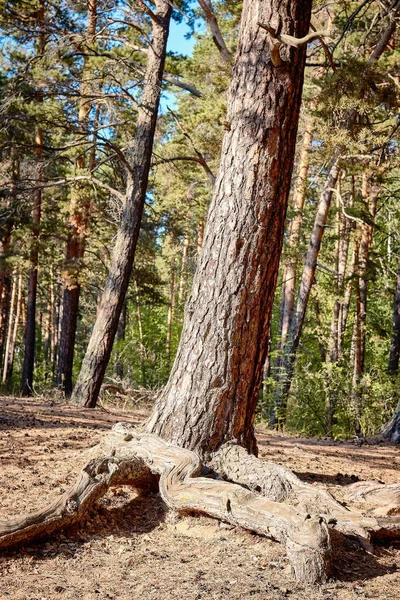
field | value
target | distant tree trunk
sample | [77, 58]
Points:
[140, 329]
[30, 330]
[293, 338]
[138, 157]
[290, 267]
[171, 309]
[357, 348]
[392, 429]
[213, 388]
[9, 362]
[200, 236]
[10, 320]
[6, 227]
[5, 287]
[121, 331]
[370, 195]
[343, 229]
[215, 30]
[79, 217]
[319, 329]
[393, 365]
[183, 275]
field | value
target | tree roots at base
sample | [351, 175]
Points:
[129, 457]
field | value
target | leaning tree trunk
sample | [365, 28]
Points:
[138, 160]
[393, 365]
[78, 222]
[307, 280]
[214, 384]
[392, 429]
[30, 328]
[290, 267]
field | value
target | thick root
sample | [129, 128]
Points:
[279, 484]
[73, 506]
[384, 499]
[133, 458]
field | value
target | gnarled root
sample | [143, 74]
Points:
[384, 499]
[91, 484]
[279, 484]
[134, 458]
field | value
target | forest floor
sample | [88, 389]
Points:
[132, 548]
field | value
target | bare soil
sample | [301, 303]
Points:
[132, 548]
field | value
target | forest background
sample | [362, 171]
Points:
[71, 76]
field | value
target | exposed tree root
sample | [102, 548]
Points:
[73, 506]
[385, 498]
[276, 503]
[279, 484]
[132, 458]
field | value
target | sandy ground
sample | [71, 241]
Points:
[132, 548]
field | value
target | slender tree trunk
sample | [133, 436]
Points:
[357, 348]
[9, 365]
[171, 310]
[5, 288]
[319, 329]
[200, 236]
[10, 320]
[392, 429]
[307, 280]
[121, 331]
[212, 22]
[213, 388]
[141, 337]
[30, 330]
[138, 157]
[289, 271]
[393, 365]
[370, 196]
[183, 276]
[79, 217]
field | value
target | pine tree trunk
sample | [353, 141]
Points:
[357, 348]
[30, 329]
[9, 356]
[393, 365]
[171, 310]
[183, 275]
[140, 329]
[5, 287]
[293, 338]
[139, 155]
[79, 217]
[370, 196]
[289, 272]
[121, 331]
[214, 385]
[10, 321]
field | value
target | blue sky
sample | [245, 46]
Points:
[177, 41]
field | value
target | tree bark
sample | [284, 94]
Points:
[79, 218]
[307, 280]
[214, 384]
[138, 158]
